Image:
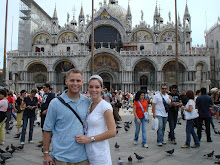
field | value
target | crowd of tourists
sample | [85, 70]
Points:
[95, 114]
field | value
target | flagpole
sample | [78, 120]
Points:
[92, 40]
[6, 21]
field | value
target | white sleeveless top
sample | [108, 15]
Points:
[98, 152]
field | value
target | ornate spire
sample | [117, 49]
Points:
[129, 10]
[179, 22]
[81, 11]
[156, 13]
[186, 13]
[55, 14]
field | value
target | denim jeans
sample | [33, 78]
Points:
[172, 119]
[31, 128]
[144, 130]
[190, 131]
[161, 129]
[212, 123]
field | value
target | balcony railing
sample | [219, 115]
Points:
[47, 54]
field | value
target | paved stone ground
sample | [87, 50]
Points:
[154, 155]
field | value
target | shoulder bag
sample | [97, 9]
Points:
[66, 104]
[146, 116]
[191, 115]
[167, 107]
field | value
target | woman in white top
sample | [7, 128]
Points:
[101, 125]
[189, 123]
[3, 109]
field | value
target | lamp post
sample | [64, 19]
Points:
[92, 40]
[176, 61]
[6, 22]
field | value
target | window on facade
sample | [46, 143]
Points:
[10, 76]
[169, 47]
[68, 49]
[217, 47]
[42, 49]
[141, 47]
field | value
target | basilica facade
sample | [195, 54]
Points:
[127, 57]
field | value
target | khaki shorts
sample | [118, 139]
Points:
[85, 162]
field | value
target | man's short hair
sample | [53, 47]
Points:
[72, 71]
[162, 85]
[174, 87]
[203, 90]
[47, 85]
[34, 90]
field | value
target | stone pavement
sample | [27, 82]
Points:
[154, 155]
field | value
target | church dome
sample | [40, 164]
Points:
[116, 10]
[73, 22]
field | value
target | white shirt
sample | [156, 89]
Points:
[190, 102]
[159, 107]
[98, 153]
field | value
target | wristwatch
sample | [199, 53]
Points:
[46, 152]
[92, 139]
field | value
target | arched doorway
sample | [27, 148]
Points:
[107, 80]
[37, 73]
[144, 76]
[169, 73]
[60, 73]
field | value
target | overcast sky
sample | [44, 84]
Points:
[203, 14]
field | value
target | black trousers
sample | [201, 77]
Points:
[207, 127]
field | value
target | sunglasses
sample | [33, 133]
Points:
[163, 88]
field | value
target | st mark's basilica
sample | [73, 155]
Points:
[128, 57]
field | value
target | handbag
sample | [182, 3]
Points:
[118, 104]
[155, 124]
[191, 115]
[166, 106]
[10, 106]
[146, 116]
[212, 112]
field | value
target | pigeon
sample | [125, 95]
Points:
[118, 126]
[127, 125]
[117, 122]
[117, 146]
[21, 147]
[13, 147]
[217, 156]
[2, 162]
[39, 145]
[2, 151]
[209, 154]
[138, 157]
[130, 159]
[170, 151]
[11, 151]
[120, 162]
[126, 129]
[217, 163]
[5, 157]
[38, 123]
[7, 148]
[10, 128]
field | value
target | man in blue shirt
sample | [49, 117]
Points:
[203, 102]
[65, 125]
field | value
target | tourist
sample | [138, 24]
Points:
[159, 112]
[66, 125]
[101, 125]
[3, 109]
[189, 123]
[29, 113]
[140, 105]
